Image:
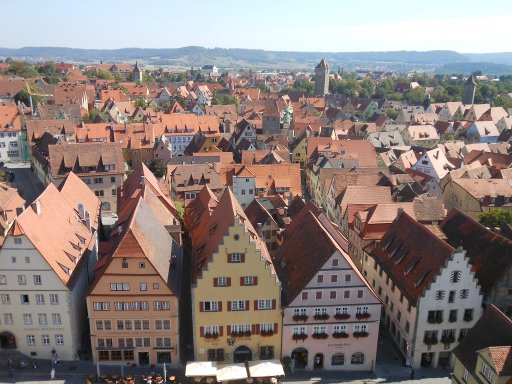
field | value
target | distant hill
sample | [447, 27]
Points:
[255, 58]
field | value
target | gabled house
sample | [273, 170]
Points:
[133, 302]
[434, 163]
[424, 136]
[482, 132]
[431, 296]
[46, 264]
[331, 315]
[236, 315]
[13, 140]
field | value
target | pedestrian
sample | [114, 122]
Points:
[52, 374]
[34, 364]
[412, 374]
[11, 371]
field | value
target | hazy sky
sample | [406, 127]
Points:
[291, 25]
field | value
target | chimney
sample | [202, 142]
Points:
[81, 211]
[399, 211]
[228, 126]
[142, 181]
[36, 206]
[88, 221]
[259, 227]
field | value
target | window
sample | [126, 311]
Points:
[27, 319]
[113, 179]
[98, 180]
[332, 295]
[357, 358]
[24, 299]
[119, 287]
[338, 359]
[305, 295]
[143, 286]
[6, 299]
[99, 193]
[320, 278]
[45, 339]
[334, 278]
[360, 293]
[249, 280]
[222, 281]
[341, 311]
[300, 330]
[238, 305]
[487, 372]
[211, 306]
[318, 295]
[340, 329]
[346, 294]
[348, 278]
[3, 279]
[398, 316]
[37, 280]
[216, 354]
[31, 340]
[264, 304]
[361, 310]
[22, 280]
[455, 277]
[161, 305]
[319, 329]
[451, 297]
[407, 326]
[464, 293]
[300, 312]
[361, 328]
[39, 299]
[13, 259]
[335, 262]
[114, 192]
[163, 342]
[465, 375]
[439, 295]
[156, 286]
[8, 318]
[54, 298]
[236, 258]
[163, 324]
[320, 311]
[468, 314]
[43, 319]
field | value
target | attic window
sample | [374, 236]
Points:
[212, 229]
[200, 265]
[420, 280]
[411, 266]
[387, 242]
[200, 249]
[399, 256]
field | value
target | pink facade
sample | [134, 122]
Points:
[339, 315]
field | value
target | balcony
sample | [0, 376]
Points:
[362, 316]
[299, 336]
[360, 334]
[322, 335]
[342, 316]
[340, 335]
[300, 317]
[323, 316]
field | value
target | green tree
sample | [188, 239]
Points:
[158, 168]
[21, 68]
[496, 218]
[303, 85]
[24, 95]
[415, 96]
[223, 99]
[180, 209]
[94, 113]
[141, 103]
[502, 101]
[105, 75]
[392, 113]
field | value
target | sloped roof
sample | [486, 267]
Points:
[492, 329]
[411, 267]
[489, 253]
[199, 210]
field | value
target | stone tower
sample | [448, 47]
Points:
[321, 79]
[137, 73]
[468, 95]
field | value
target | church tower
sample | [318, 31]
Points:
[468, 95]
[322, 79]
[137, 73]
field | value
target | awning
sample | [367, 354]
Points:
[265, 368]
[231, 372]
[201, 368]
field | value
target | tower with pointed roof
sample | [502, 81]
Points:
[468, 95]
[322, 78]
[137, 73]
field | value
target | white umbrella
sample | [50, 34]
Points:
[265, 368]
[231, 372]
[201, 368]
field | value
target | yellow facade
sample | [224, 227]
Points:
[133, 315]
[230, 292]
[461, 375]
[299, 153]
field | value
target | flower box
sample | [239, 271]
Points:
[211, 335]
[319, 336]
[241, 334]
[468, 317]
[430, 341]
[300, 317]
[299, 336]
[361, 316]
[360, 334]
[448, 339]
[340, 316]
[267, 333]
[321, 317]
[340, 335]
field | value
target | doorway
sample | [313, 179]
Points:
[242, 354]
[143, 358]
[300, 358]
[7, 340]
[444, 359]
[426, 359]
[319, 361]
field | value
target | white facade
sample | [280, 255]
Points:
[179, 142]
[10, 146]
[441, 314]
[244, 189]
[38, 309]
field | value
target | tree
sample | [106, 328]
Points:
[180, 209]
[106, 75]
[303, 85]
[141, 103]
[496, 218]
[95, 113]
[392, 113]
[24, 96]
[223, 99]
[415, 96]
[158, 168]
[20, 68]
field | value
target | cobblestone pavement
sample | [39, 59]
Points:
[25, 180]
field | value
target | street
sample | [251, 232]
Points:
[29, 186]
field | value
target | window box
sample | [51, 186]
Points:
[299, 336]
[211, 335]
[460, 338]
[452, 319]
[360, 334]
[468, 317]
[319, 335]
[300, 317]
[241, 334]
[340, 335]
[267, 333]
[430, 340]
[340, 316]
[361, 316]
[321, 317]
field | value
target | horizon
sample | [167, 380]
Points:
[301, 26]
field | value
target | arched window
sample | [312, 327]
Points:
[455, 277]
[338, 359]
[357, 358]
[439, 295]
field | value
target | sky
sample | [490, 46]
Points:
[470, 26]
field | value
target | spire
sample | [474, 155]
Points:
[322, 64]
